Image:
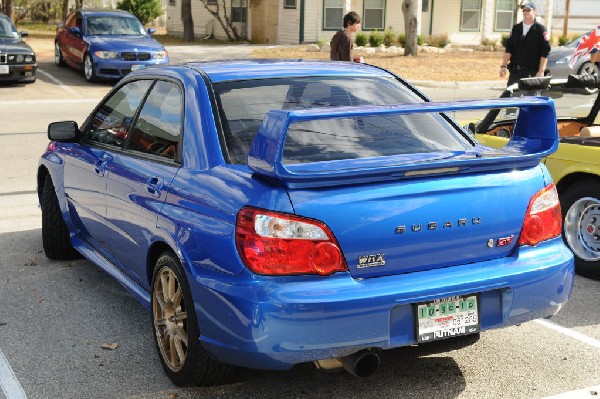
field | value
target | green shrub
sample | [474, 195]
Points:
[564, 39]
[439, 41]
[144, 10]
[402, 40]
[376, 39]
[321, 42]
[389, 38]
[504, 39]
[361, 39]
[488, 42]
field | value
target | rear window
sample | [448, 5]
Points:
[244, 104]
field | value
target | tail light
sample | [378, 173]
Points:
[543, 219]
[274, 243]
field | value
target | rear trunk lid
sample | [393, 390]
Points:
[406, 210]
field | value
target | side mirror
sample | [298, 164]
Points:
[63, 131]
[151, 31]
[75, 31]
[24, 33]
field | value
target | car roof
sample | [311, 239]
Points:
[222, 71]
[90, 12]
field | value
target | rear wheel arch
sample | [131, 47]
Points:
[155, 252]
[567, 181]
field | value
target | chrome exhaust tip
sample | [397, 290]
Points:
[360, 364]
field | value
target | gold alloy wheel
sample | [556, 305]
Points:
[170, 318]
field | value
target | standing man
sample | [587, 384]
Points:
[343, 41]
[527, 48]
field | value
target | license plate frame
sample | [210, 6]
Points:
[447, 317]
[4, 70]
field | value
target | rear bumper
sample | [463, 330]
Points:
[274, 323]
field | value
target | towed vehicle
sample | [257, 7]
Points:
[269, 213]
[575, 166]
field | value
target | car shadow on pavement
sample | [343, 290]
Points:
[72, 308]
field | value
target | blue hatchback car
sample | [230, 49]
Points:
[270, 213]
[106, 44]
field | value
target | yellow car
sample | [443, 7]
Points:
[575, 167]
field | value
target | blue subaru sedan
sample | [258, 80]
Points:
[269, 213]
[106, 44]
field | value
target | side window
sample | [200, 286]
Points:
[158, 127]
[111, 123]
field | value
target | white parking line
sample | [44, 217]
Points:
[8, 381]
[570, 333]
[58, 82]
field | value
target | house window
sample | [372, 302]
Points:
[289, 3]
[334, 14]
[239, 10]
[172, 2]
[373, 13]
[470, 15]
[211, 2]
[425, 6]
[504, 15]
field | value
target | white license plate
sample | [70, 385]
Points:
[3, 69]
[448, 317]
[135, 67]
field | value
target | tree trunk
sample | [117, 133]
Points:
[65, 9]
[7, 8]
[78, 4]
[188, 21]
[410, 27]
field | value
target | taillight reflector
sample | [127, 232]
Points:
[274, 243]
[543, 219]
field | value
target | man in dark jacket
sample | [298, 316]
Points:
[527, 48]
[342, 42]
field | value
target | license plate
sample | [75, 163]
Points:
[448, 317]
[3, 69]
[135, 67]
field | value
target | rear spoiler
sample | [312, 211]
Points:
[535, 136]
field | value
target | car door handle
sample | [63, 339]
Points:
[154, 186]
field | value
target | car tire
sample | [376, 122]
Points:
[580, 205]
[58, 56]
[589, 68]
[88, 69]
[176, 332]
[55, 234]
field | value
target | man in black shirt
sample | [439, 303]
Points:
[527, 48]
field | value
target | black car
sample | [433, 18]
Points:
[17, 59]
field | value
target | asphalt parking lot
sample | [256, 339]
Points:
[68, 330]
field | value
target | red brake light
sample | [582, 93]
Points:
[274, 243]
[543, 219]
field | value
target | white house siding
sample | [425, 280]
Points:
[289, 23]
[174, 22]
[446, 18]
[313, 16]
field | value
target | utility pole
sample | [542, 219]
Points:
[566, 21]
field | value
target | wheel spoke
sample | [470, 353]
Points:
[182, 335]
[177, 297]
[180, 349]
